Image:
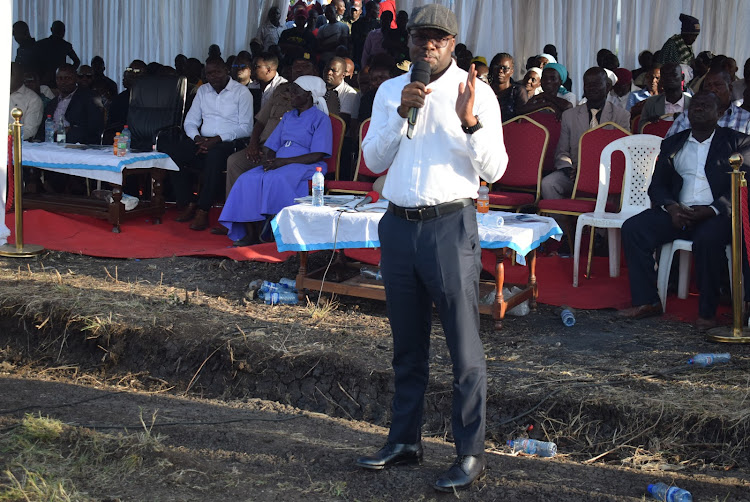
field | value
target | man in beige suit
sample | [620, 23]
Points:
[576, 121]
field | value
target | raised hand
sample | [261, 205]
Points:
[465, 100]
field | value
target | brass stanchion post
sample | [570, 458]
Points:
[737, 333]
[19, 250]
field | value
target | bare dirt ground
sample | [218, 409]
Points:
[173, 386]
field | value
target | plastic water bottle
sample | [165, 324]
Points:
[282, 296]
[660, 491]
[60, 135]
[318, 181]
[567, 316]
[534, 447]
[371, 273]
[122, 146]
[116, 143]
[49, 130]
[483, 200]
[126, 135]
[289, 283]
[709, 359]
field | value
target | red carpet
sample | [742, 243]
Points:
[142, 239]
[555, 279]
[138, 239]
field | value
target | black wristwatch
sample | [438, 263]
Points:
[474, 128]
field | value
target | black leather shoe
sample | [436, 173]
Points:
[392, 454]
[464, 471]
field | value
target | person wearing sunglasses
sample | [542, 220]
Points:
[510, 95]
[118, 110]
[242, 70]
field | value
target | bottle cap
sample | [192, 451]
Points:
[319, 169]
[483, 183]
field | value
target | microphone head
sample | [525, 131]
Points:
[373, 195]
[420, 72]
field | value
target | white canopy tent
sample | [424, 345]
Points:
[157, 30]
[123, 30]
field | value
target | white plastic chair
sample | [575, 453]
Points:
[685, 248]
[640, 152]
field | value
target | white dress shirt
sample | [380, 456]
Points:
[441, 163]
[690, 164]
[228, 114]
[672, 108]
[349, 99]
[268, 90]
[31, 105]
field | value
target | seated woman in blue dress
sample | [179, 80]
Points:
[296, 147]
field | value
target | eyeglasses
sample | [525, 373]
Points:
[504, 69]
[133, 70]
[239, 66]
[420, 39]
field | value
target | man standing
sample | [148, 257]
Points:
[429, 242]
[222, 112]
[25, 54]
[331, 36]
[52, 52]
[679, 48]
[26, 100]
[271, 30]
[690, 199]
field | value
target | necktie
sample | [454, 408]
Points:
[594, 122]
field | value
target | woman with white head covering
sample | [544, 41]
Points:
[297, 146]
[533, 81]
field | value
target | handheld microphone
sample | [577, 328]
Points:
[371, 197]
[420, 72]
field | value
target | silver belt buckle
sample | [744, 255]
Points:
[409, 211]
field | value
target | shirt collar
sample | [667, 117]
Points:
[707, 141]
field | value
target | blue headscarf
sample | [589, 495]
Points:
[563, 72]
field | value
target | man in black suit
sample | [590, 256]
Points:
[690, 194]
[83, 119]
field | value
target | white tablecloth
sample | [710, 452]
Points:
[307, 228]
[94, 162]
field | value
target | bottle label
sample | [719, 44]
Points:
[483, 206]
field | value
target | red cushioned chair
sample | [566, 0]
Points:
[583, 198]
[658, 128]
[546, 117]
[355, 187]
[334, 161]
[526, 143]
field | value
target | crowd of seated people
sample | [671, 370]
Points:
[235, 107]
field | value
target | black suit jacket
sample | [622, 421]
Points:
[666, 183]
[85, 117]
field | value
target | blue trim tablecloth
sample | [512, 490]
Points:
[303, 227]
[91, 161]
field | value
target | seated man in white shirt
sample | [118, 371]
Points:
[265, 76]
[691, 199]
[221, 114]
[26, 100]
[348, 95]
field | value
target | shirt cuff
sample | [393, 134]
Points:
[715, 210]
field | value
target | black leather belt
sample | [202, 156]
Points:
[425, 213]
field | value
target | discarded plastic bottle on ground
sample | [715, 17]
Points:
[533, 447]
[709, 359]
[567, 316]
[49, 130]
[660, 491]
[289, 283]
[318, 181]
[126, 135]
[268, 286]
[371, 273]
[282, 296]
[483, 200]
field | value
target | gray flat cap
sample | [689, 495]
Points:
[433, 16]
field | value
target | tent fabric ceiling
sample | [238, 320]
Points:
[123, 30]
